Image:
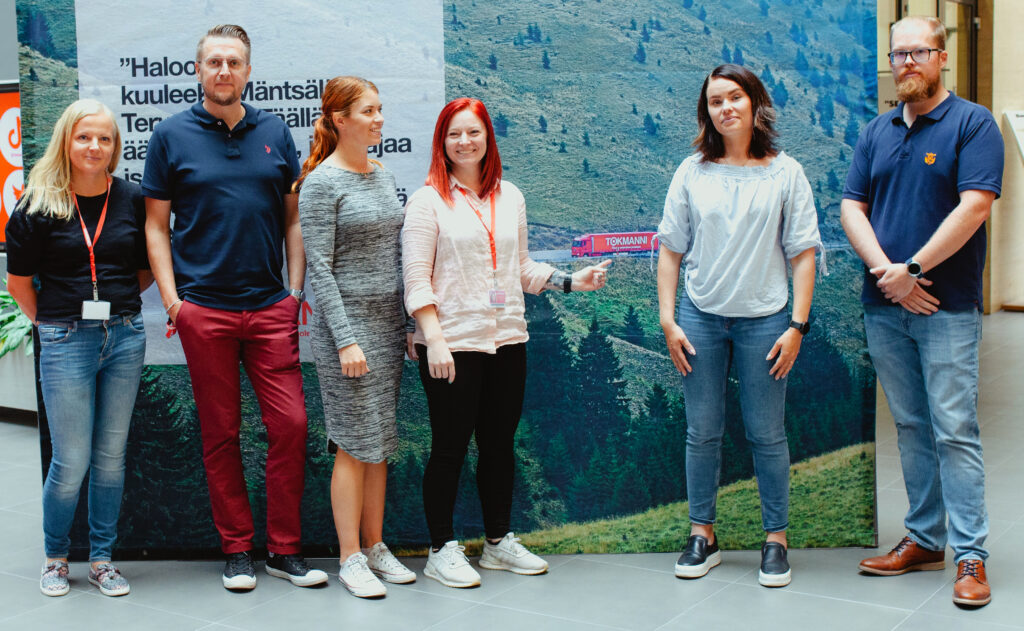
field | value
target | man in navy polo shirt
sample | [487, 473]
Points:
[917, 196]
[225, 170]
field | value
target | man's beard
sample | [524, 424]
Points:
[231, 99]
[914, 89]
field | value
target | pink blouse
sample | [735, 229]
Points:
[446, 261]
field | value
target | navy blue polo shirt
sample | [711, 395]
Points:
[226, 188]
[911, 180]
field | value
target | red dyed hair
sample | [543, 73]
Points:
[440, 165]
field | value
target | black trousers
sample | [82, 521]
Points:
[486, 398]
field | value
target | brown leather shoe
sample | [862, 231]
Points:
[907, 556]
[971, 586]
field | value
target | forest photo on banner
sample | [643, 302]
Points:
[594, 107]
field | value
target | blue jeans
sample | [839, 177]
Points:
[745, 342]
[928, 368]
[89, 371]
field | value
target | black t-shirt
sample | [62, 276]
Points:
[55, 251]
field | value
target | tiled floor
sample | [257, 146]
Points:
[580, 592]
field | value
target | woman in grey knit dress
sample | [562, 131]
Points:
[351, 220]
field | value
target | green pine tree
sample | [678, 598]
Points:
[601, 399]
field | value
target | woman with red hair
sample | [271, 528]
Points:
[466, 265]
[351, 220]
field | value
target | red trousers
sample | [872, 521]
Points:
[266, 342]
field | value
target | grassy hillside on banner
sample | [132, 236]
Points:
[822, 490]
[595, 102]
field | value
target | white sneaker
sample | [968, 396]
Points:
[509, 554]
[358, 579]
[449, 566]
[384, 564]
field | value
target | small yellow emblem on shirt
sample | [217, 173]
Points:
[929, 158]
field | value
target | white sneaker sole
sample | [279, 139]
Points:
[110, 592]
[428, 571]
[315, 577]
[492, 565]
[240, 582]
[397, 579]
[774, 580]
[57, 592]
[697, 571]
[364, 593]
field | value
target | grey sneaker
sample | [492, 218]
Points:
[358, 579]
[509, 554]
[54, 579]
[108, 578]
[384, 564]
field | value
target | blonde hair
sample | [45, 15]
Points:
[49, 183]
[227, 31]
[938, 29]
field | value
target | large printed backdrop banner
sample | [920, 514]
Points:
[593, 105]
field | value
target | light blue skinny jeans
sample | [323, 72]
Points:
[928, 368]
[745, 342]
[90, 372]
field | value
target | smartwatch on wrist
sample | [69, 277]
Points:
[802, 327]
[914, 268]
[567, 284]
[298, 294]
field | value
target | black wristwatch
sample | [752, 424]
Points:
[802, 327]
[914, 268]
[567, 284]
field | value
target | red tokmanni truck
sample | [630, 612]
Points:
[612, 243]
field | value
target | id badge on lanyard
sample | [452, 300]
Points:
[94, 309]
[496, 295]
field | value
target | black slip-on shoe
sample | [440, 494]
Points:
[775, 570]
[698, 558]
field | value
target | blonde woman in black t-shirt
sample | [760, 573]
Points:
[88, 316]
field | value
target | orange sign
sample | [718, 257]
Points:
[12, 181]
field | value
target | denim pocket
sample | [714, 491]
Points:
[50, 334]
[136, 324]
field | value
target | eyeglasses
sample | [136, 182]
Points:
[919, 55]
[234, 63]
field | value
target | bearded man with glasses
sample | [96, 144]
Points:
[919, 190]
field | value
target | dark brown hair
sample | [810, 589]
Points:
[710, 143]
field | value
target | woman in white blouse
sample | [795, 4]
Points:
[466, 264]
[736, 211]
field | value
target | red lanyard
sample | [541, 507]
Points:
[490, 231]
[90, 243]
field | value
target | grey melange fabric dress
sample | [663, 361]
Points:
[351, 224]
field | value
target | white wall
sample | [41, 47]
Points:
[1007, 244]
